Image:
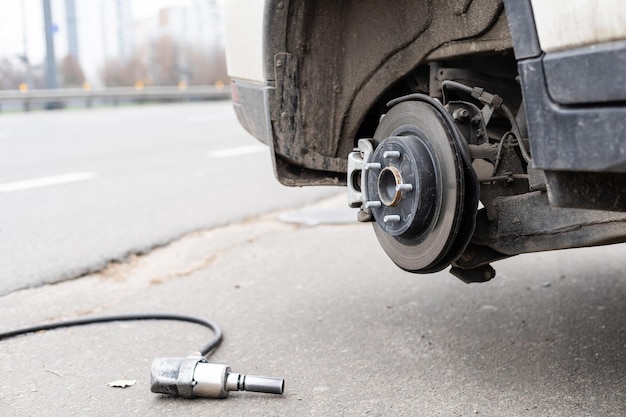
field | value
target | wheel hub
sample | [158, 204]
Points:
[403, 191]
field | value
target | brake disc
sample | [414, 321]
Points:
[416, 183]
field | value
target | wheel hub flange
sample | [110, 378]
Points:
[402, 185]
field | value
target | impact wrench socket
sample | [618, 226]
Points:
[194, 376]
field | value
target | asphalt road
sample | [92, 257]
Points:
[317, 302]
[322, 307]
[81, 188]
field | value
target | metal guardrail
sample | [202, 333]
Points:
[114, 94]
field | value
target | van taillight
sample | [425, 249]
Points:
[234, 91]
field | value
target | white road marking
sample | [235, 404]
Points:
[90, 119]
[218, 116]
[46, 181]
[232, 152]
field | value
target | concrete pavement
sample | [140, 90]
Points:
[322, 307]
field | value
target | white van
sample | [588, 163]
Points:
[466, 131]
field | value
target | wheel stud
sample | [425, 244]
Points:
[404, 187]
[372, 165]
[391, 218]
[391, 154]
[373, 204]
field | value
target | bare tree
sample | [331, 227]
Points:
[72, 74]
[117, 73]
[13, 72]
[165, 62]
[206, 68]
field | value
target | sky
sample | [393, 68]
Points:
[12, 16]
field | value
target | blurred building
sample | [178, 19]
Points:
[105, 31]
[72, 31]
[175, 44]
[198, 24]
[93, 31]
[181, 42]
